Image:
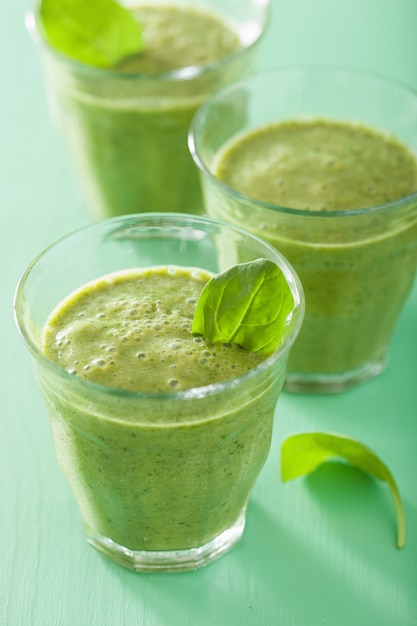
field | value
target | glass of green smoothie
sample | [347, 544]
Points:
[160, 433]
[323, 167]
[126, 125]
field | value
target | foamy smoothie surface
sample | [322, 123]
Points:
[319, 165]
[132, 330]
[179, 36]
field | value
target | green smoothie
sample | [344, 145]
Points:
[319, 165]
[356, 268]
[127, 127]
[158, 470]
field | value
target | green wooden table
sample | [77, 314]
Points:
[317, 551]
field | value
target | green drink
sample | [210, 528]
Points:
[126, 126]
[328, 175]
[160, 434]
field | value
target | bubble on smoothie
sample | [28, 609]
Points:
[100, 362]
[144, 340]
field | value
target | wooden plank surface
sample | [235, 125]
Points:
[318, 551]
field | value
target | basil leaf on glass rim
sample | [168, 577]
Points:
[248, 304]
[96, 32]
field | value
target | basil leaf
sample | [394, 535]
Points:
[95, 32]
[303, 453]
[249, 304]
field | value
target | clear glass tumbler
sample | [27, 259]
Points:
[162, 480]
[126, 131]
[356, 266]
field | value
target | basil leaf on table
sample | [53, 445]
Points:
[96, 32]
[248, 304]
[303, 453]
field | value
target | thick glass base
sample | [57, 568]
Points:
[168, 560]
[333, 383]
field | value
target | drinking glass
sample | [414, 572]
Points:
[356, 266]
[126, 131]
[162, 479]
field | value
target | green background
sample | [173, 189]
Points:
[316, 551]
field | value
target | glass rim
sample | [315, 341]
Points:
[181, 74]
[185, 394]
[270, 74]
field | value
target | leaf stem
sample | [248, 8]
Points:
[400, 516]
